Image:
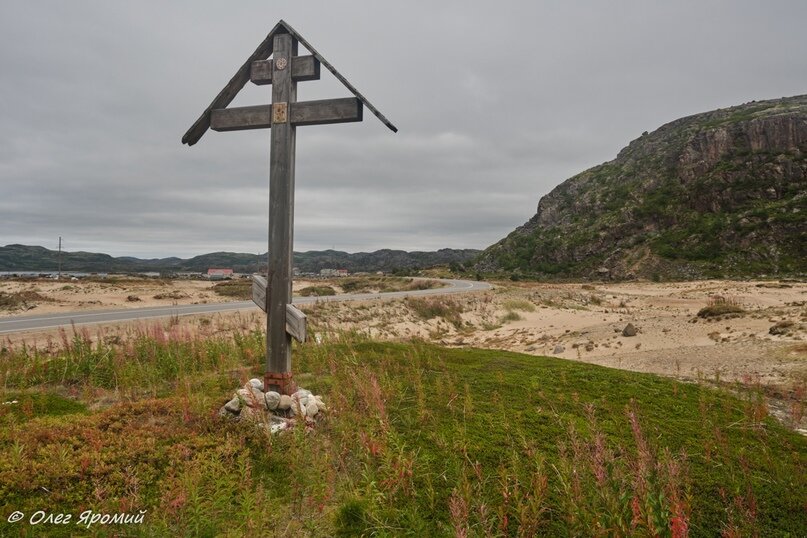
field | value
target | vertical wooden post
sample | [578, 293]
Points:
[273, 295]
[281, 217]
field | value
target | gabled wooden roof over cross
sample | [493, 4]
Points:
[258, 69]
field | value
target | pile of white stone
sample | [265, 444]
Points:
[276, 411]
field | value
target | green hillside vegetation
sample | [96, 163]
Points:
[722, 193]
[418, 440]
[28, 258]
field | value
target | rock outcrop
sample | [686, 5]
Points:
[723, 193]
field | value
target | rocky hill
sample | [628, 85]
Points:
[723, 193]
[33, 258]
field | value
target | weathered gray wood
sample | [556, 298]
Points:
[264, 50]
[261, 72]
[228, 93]
[340, 78]
[296, 323]
[259, 291]
[348, 109]
[241, 118]
[302, 68]
[281, 216]
[326, 111]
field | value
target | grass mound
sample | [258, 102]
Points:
[173, 294]
[519, 304]
[720, 307]
[418, 440]
[20, 299]
[436, 307]
[317, 291]
[237, 289]
[383, 284]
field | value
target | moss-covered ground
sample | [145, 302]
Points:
[418, 440]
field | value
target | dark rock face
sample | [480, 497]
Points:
[722, 193]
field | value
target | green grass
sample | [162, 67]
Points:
[365, 284]
[419, 440]
[436, 307]
[519, 304]
[23, 406]
[237, 289]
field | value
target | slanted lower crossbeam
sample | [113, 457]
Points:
[322, 112]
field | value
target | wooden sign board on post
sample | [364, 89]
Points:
[296, 324]
[283, 71]
[259, 291]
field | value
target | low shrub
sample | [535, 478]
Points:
[20, 299]
[519, 304]
[317, 291]
[174, 294]
[437, 307]
[721, 306]
[782, 328]
[237, 289]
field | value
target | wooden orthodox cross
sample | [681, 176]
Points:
[282, 71]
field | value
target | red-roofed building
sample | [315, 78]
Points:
[219, 274]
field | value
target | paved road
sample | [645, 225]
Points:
[53, 321]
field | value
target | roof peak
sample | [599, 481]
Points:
[242, 76]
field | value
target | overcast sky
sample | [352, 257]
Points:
[496, 103]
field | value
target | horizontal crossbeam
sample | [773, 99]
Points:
[348, 109]
[302, 68]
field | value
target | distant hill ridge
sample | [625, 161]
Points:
[35, 258]
[722, 193]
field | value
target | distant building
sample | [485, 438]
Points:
[333, 272]
[219, 274]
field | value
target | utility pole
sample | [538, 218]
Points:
[59, 277]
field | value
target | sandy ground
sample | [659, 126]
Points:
[74, 295]
[586, 322]
[581, 322]
[587, 325]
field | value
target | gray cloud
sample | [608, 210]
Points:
[495, 105]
